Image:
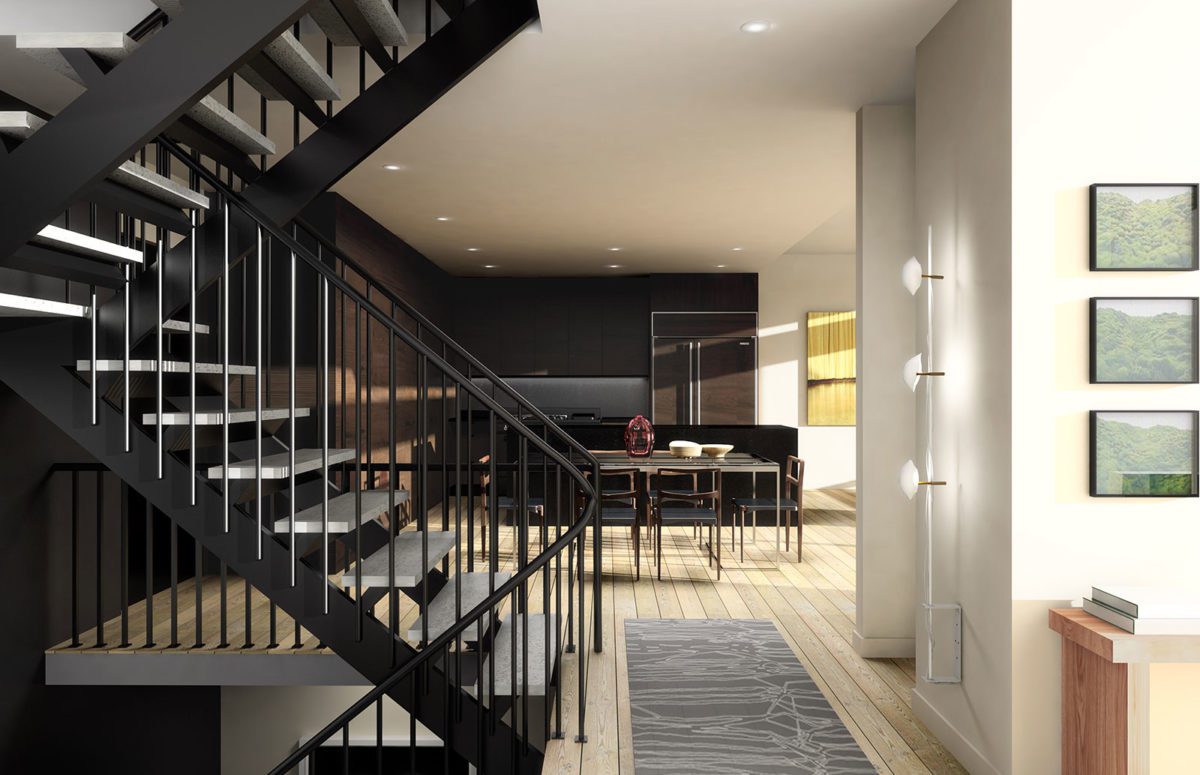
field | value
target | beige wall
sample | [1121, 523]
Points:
[788, 289]
[963, 192]
[886, 525]
[1098, 96]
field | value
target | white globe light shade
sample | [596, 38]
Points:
[912, 372]
[910, 479]
[910, 275]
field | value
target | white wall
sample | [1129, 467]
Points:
[71, 15]
[788, 289]
[1099, 95]
[963, 191]
[886, 556]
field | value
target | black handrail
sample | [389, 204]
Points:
[426, 325]
[589, 513]
[156, 18]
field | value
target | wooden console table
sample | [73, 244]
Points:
[1106, 691]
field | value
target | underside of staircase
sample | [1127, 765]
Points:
[160, 304]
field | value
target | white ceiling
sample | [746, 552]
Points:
[656, 127]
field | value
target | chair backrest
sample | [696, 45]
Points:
[794, 474]
[695, 496]
[628, 479]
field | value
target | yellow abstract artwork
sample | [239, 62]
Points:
[831, 368]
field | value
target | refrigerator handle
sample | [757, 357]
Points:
[698, 419]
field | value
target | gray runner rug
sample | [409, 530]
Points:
[729, 696]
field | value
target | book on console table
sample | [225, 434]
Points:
[1142, 626]
[1149, 602]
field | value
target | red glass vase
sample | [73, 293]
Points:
[639, 437]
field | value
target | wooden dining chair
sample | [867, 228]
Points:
[696, 507]
[504, 503]
[619, 506]
[792, 501]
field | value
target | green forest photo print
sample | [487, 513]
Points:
[1144, 340]
[1144, 227]
[1144, 454]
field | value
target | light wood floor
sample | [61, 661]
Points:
[811, 602]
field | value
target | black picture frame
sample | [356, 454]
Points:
[1095, 189]
[1094, 376]
[1093, 483]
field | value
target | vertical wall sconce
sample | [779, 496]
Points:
[943, 620]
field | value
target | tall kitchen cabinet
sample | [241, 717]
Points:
[704, 368]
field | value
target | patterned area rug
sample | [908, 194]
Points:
[729, 696]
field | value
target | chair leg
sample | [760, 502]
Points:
[742, 516]
[787, 530]
[658, 550]
[799, 535]
[718, 549]
[637, 552]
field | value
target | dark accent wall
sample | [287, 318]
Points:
[71, 728]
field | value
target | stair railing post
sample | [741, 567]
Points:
[393, 596]
[95, 316]
[292, 416]
[258, 396]
[597, 560]
[158, 368]
[191, 363]
[225, 289]
[325, 443]
[99, 558]
[75, 558]
[125, 362]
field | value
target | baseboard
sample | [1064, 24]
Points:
[884, 648]
[966, 753]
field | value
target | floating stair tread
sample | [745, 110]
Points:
[66, 241]
[276, 466]
[14, 306]
[408, 567]
[230, 127]
[501, 653]
[341, 512]
[183, 327]
[169, 367]
[380, 17]
[19, 123]
[109, 47]
[146, 181]
[443, 608]
[294, 60]
[217, 416]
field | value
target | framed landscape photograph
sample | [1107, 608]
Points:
[1144, 454]
[1144, 340]
[1143, 227]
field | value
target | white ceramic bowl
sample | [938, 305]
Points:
[717, 450]
[685, 449]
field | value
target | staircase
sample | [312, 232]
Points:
[247, 378]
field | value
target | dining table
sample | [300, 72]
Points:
[731, 462]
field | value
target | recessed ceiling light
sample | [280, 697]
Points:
[720, 266]
[615, 250]
[489, 266]
[614, 266]
[472, 250]
[393, 167]
[442, 218]
[756, 26]
[738, 250]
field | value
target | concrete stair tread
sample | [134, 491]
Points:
[341, 512]
[169, 367]
[15, 306]
[408, 565]
[443, 608]
[378, 13]
[146, 181]
[275, 466]
[217, 416]
[66, 241]
[20, 124]
[183, 327]
[501, 654]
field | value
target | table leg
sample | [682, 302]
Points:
[778, 517]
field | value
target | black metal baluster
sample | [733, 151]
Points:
[393, 522]
[149, 575]
[75, 558]
[423, 469]
[124, 565]
[199, 562]
[379, 736]
[174, 585]
[99, 559]
[358, 554]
